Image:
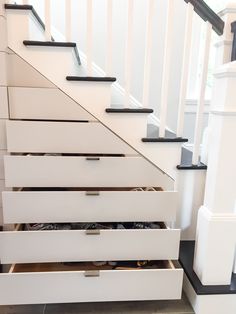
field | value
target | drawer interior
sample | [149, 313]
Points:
[90, 227]
[92, 189]
[90, 266]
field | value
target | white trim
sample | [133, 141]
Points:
[221, 43]
[229, 10]
[216, 217]
[223, 113]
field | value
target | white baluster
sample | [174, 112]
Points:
[166, 67]
[147, 60]
[89, 48]
[47, 10]
[109, 38]
[128, 56]
[185, 69]
[68, 21]
[201, 99]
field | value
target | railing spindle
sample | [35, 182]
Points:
[185, 69]
[109, 38]
[47, 10]
[166, 67]
[89, 43]
[201, 99]
[147, 60]
[68, 20]
[128, 56]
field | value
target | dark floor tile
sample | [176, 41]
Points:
[147, 307]
[22, 309]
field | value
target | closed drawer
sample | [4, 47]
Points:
[93, 206]
[73, 171]
[42, 103]
[63, 137]
[89, 245]
[35, 284]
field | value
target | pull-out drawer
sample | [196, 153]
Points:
[74, 171]
[63, 137]
[89, 245]
[94, 205]
[55, 283]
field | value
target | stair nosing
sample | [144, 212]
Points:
[90, 79]
[164, 140]
[129, 110]
[200, 166]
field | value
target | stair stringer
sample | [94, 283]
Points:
[94, 97]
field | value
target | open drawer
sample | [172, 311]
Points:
[89, 245]
[94, 205]
[58, 283]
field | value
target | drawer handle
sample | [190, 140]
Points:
[93, 232]
[92, 158]
[92, 273]
[92, 193]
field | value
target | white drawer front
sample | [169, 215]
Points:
[77, 245]
[63, 137]
[44, 104]
[107, 206]
[73, 286]
[57, 171]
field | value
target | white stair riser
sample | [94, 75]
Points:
[57, 171]
[76, 245]
[42, 207]
[63, 137]
[72, 286]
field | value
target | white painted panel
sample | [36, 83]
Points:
[63, 137]
[3, 72]
[44, 104]
[2, 153]
[72, 286]
[108, 206]
[76, 245]
[31, 78]
[2, 188]
[57, 171]
[3, 103]
[3, 138]
[3, 33]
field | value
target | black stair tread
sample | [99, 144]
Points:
[186, 260]
[90, 79]
[129, 110]
[49, 43]
[200, 166]
[26, 7]
[164, 140]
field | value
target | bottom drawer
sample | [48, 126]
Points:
[83, 282]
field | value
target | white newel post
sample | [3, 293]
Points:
[224, 43]
[216, 228]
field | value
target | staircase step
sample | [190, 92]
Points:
[164, 140]
[54, 44]
[90, 79]
[186, 260]
[129, 110]
[25, 7]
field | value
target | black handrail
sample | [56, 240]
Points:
[233, 30]
[207, 14]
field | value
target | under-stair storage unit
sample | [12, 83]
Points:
[92, 215]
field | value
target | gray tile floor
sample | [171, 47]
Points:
[153, 307]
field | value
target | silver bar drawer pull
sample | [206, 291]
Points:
[92, 193]
[92, 273]
[92, 232]
[92, 158]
